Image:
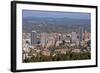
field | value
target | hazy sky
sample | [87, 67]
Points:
[33, 13]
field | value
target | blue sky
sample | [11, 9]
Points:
[33, 13]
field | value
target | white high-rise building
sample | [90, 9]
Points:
[74, 38]
[44, 39]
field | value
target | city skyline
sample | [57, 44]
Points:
[55, 36]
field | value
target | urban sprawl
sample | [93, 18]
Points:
[56, 46]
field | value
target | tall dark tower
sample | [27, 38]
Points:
[81, 31]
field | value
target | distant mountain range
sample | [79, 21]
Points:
[48, 24]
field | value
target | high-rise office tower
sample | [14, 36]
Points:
[33, 37]
[74, 37]
[44, 39]
[81, 31]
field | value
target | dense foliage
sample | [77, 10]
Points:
[60, 57]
